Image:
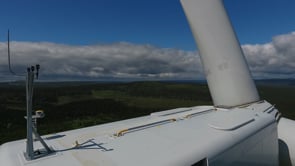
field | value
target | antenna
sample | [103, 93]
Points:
[8, 54]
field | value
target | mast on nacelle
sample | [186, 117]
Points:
[32, 71]
[31, 128]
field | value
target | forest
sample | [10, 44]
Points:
[71, 105]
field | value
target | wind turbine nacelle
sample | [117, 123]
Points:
[286, 133]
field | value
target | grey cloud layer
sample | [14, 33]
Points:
[273, 60]
[125, 60]
[119, 60]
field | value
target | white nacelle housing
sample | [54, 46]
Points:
[183, 137]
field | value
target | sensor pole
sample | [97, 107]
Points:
[29, 97]
[30, 153]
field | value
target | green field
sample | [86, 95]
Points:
[74, 105]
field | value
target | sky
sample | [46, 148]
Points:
[139, 40]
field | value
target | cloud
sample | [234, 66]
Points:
[272, 60]
[139, 62]
[105, 61]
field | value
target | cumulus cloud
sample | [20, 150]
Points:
[275, 59]
[272, 60]
[105, 61]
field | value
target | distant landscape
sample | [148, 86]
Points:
[71, 105]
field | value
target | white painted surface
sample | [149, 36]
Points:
[225, 67]
[182, 142]
[286, 131]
